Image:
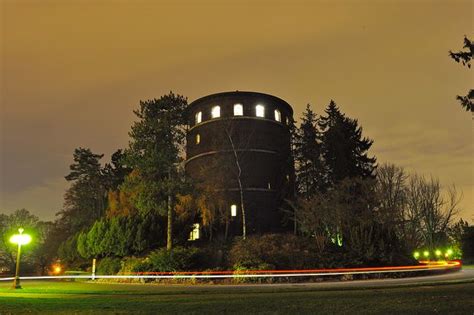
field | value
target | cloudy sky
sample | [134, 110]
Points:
[73, 71]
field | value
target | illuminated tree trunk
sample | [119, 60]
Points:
[169, 240]
[239, 181]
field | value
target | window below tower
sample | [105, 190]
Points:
[238, 110]
[194, 234]
[198, 138]
[277, 115]
[260, 111]
[198, 117]
[233, 210]
[216, 112]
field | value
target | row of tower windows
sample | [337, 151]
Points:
[238, 111]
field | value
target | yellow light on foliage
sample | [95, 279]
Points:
[57, 269]
[449, 252]
[416, 255]
[426, 253]
[438, 252]
[20, 239]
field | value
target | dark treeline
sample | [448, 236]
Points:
[346, 210]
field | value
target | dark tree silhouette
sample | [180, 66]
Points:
[465, 57]
[344, 150]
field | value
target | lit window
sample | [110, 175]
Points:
[216, 112]
[260, 111]
[233, 210]
[238, 110]
[194, 234]
[198, 138]
[198, 117]
[277, 115]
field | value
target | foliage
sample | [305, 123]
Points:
[154, 152]
[344, 150]
[178, 259]
[310, 168]
[465, 57]
[280, 251]
[108, 266]
[349, 216]
[467, 244]
[120, 236]
[34, 255]
[85, 200]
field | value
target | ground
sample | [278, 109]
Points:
[103, 298]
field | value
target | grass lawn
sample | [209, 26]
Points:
[101, 298]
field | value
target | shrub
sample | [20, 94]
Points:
[178, 259]
[282, 251]
[108, 266]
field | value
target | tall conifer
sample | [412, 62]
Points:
[344, 150]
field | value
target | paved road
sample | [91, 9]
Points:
[466, 275]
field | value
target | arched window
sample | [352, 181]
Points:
[238, 110]
[198, 138]
[216, 112]
[277, 115]
[233, 210]
[260, 111]
[198, 117]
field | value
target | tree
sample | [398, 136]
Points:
[37, 257]
[85, 200]
[155, 152]
[344, 150]
[429, 211]
[309, 165]
[348, 217]
[465, 57]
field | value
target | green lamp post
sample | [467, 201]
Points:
[19, 239]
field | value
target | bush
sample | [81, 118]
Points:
[281, 251]
[178, 259]
[108, 266]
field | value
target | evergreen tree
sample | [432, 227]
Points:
[344, 150]
[309, 166]
[85, 200]
[154, 152]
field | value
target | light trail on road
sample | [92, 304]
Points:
[432, 266]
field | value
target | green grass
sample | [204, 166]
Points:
[101, 298]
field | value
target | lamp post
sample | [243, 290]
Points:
[19, 239]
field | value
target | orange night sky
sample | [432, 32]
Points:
[73, 71]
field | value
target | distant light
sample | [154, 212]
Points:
[438, 252]
[57, 269]
[260, 111]
[198, 138]
[233, 210]
[20, 239]
[426, 253]
[416, 255]
[449, 252]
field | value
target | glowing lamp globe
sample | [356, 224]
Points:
[20, 239]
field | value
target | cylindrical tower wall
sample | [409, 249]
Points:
[261, 146]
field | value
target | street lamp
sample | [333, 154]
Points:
[20, 239]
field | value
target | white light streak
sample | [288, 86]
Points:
[234, 275]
